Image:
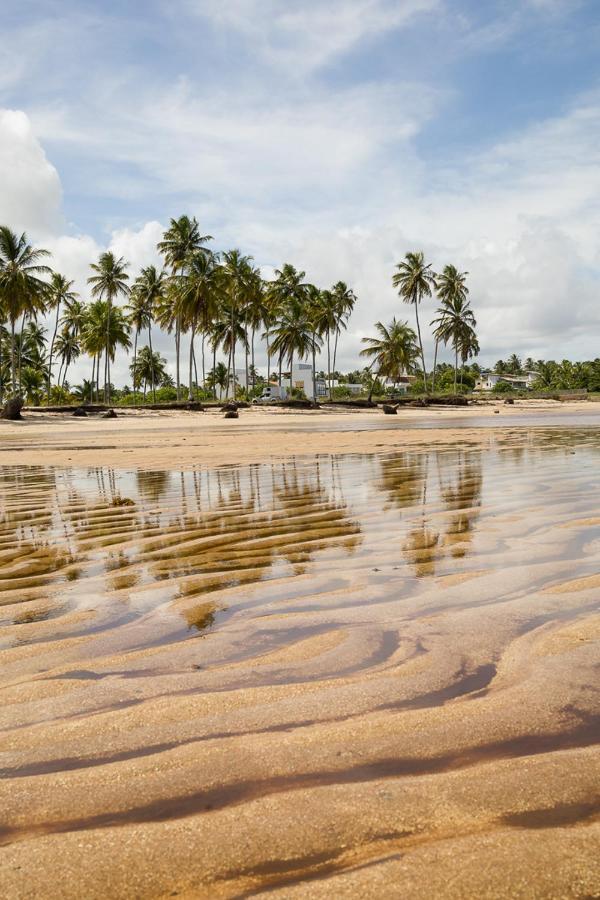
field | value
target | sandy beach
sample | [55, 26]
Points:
[303, 654]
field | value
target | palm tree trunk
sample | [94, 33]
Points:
[107, 357]
[93, 377]
[455, 367]
[152, 378]
[203, 363]
[337, 334]
[214, 370]
[314, 367]
[268, 357]
[421, 346]
[177, 343]
[52, 351]
[329, 362]
[135, 343]
[233, 348]
[192, 332]
[98, 377]
[253, 366]
[13, 371]
[291, 373]
[434, 367]
[20, 357]
[246, 350]
[280, 374]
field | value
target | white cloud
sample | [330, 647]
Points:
[308, 34]
[30, 191]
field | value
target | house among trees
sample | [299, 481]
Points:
[488, 380]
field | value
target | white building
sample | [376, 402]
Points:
[487, 381]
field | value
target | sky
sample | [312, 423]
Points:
[332, 134]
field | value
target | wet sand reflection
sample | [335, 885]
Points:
[413, 635]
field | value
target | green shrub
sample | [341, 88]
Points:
[503, 387]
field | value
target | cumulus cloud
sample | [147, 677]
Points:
[30, 191]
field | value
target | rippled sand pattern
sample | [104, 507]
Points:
[342, 676]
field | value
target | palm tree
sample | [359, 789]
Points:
[237, 275]
[181, 239]
[32, 383]
[147, 293]
[415, 280]
[325, 322]
[109, 282]
[225, 332]
[68, 349]
[514, 364]
[288, 286]
[84, 391]
[455, 324]
[344, 300]
[199, 289]
[294, 333]
[313, 302]
[59, 293]
[22, 290]
[219, 377]
[105, 328]
[148, 367]
[394, 350]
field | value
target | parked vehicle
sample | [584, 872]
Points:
[272, 394]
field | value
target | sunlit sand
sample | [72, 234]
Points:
[317, 656]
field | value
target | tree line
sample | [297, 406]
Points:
[216, 301]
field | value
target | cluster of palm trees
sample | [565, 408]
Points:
[397, 347]
[219, 300]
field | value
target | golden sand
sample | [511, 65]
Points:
[323, 655]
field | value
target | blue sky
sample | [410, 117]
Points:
[333, 135]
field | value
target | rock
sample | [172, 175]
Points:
[390, 410]
[496, 412]
[109, 414]
[509, 401]
[194, 406]
[231, 414]
[79, 413]
[12, 409]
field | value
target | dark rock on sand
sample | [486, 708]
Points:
[12, 409]
[79, 413]
[390, 410]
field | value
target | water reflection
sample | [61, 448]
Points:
[84, 550]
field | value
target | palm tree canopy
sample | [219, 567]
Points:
[294, 334]
[101, 321]
[110, 279]
[147, 293]
[22, 289]
[394, 350]
[182, 238]
[414, 278]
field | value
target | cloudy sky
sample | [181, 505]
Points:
[332, 134]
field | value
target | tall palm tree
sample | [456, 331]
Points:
[287, 287]
[147, 293]
[105, 328]
[344, 300]
[68, 349]
[454, 324]
[325, 318]
[294, 333]
[148, 367]
[393, 352]
[451, 286]
[415, 280]
[181, 238]
[22, 290]
[237, 274]
[60, 293]
[109, 282]
[200, 289]
[313, 308]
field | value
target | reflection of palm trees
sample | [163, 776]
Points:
[405, 479]
[461, 492]
[152, 485]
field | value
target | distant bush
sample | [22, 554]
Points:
[340, 392]
[503, 387]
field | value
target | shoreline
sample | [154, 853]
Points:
[185, 440]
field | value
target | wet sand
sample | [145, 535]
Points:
[354, 661]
